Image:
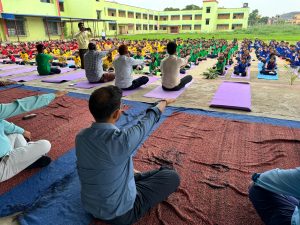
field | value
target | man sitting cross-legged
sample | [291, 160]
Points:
[93, 65]
[110, 190]
[16, 154]
[43, 62]
[124, 67]
[170, 69]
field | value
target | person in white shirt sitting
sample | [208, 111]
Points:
[123, 71]
[170, 69]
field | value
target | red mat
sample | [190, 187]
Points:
[215, 159]
[59, 123]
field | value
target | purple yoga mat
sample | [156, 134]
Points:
[161, 94]
[19, 71]
[240, 77]
[233, 95]
[11, 66]
[69, 77]
[151, 80]
[37, 77]
[87, 85]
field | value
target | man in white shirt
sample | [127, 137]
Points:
[170, 69]
[83, 38]
[93, 65]
[123, 70]
[103, 34]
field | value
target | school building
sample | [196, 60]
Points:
[33, 20]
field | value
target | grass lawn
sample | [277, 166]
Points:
[284, 32]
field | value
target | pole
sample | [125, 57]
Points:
[16, 28]
[72, 31]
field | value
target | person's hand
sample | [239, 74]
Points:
[60, 93]
[27, 135]
[169, 101]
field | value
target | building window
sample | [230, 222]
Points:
[207, 21]
[15, 28]
[53, 28]
[46, 1]
[155, 27]
[97, 0]
[208, 10]
[61, 6]
[156, 18]
[112, 27]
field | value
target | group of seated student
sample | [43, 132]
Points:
[111, 189]
[267, 55]
[243, 61]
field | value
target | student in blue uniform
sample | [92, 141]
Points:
[241, 68]
[270, 67]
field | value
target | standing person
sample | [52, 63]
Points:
[170, 69]
[103, 34]
[110, 190]
[43, 62]
[83, 38]
[123, 69]
[16, 154]
[93, 66]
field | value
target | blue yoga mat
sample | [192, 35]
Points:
[266, 77]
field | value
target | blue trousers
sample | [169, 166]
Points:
[273, 209]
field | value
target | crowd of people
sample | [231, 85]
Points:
[111, 190]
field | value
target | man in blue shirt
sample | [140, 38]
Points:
[110, 190]
[16, 154]
[275, 195]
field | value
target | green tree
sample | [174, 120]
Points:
[171, 9]
[264, 20]
[191, 7]
[254, 17]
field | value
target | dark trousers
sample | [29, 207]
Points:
[268, 72]
[55, 71]
[273, 209]
[152, 188]
[184, 81]
[238, 72]
[81, 55]
[137, 83]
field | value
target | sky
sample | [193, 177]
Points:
[265, 7]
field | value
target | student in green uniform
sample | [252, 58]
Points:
[153, 66]
[220, 66]
[43, 62]
[138, 56]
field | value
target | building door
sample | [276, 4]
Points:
[175, 30]
[122, 30]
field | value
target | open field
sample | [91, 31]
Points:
[285, 32]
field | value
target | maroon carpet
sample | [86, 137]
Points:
[215, 159]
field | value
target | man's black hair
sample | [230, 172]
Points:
[40, 48]
[80, 23]
[104, 101]
[171, 48]
[92, 46]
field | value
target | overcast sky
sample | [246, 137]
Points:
[265, 7]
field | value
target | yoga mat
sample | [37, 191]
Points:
[152, 79]
[268, 77]
[87, 85]
[73, 76]
[37, 77]
[161, 94]
[247, 77]
[19, 71]
[11, 66]
[226, 72]
[233, 95]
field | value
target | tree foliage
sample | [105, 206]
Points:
[191, 7]
[255, 18]
[171, 9]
